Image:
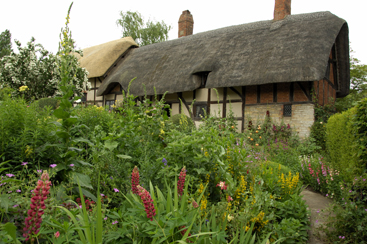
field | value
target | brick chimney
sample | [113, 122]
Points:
[282, 8]
[185, 24]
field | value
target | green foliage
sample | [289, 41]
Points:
[24, 130]
[36, 70]
[340, 143]
[48, 102]
[349, 218]
[5, 93]
[132, 24]
[318, 134]
[358, 81]
[182, 122]
[360, 125]
[5, 43]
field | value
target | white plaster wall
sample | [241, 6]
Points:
[201, 95]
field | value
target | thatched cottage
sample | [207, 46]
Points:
[284, 66]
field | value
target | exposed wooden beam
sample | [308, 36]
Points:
[291, 92]
[186, 105]
[258, 93]
[275, 92]
[235, 91]
[95, 91]
[243, 108]
[208, 101]
[330, 83]
[304, 91]
[224, 102]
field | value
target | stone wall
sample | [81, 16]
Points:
[301, 120]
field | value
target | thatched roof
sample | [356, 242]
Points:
[296, 48]
[98, 59]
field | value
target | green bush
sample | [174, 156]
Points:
[182, 122]
[340, 143]
[318, 133]
[360, 123]
[24, 131]
[50, 102]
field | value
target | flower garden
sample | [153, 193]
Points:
[77, 174]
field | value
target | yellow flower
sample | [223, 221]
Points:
[23, 88]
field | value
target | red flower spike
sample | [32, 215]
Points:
[34, 219]
[148, 202]
[183, 231]
[135, 180]
[181, 181]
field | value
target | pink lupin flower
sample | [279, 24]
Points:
[135, 180]
[34, 219]
[57, 234]
[181, 181]
[148, 202]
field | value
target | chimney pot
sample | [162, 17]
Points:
[282, 9]
[185, 24]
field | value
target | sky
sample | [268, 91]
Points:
[94, 22]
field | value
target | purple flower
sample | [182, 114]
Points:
[53, 165]
[350, 191]
[39, 170]
[115, 222]
[318, 211]
[316, 221]
[10, 175]
[327, 194]
[71, 165]
[24, 163]
[10, 191]
[111, 178]
[19, 190]
[105, 218]
[102, 195]
[16, 205]
[164, 160]
[364, 179]
[116, 190]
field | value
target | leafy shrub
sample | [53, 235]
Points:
[318, 134]
[348, 221]
[51, 102]
[24, 130]
[340, 143]
[360, 123]
[182, 122]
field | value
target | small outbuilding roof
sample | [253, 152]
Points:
[296, 48]
[98, 59]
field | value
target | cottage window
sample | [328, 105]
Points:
[201, 110]
[110, 103]
[287, 110]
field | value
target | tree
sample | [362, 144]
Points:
[133, 25]
[34, 73]
[5, 43]
[358, 85]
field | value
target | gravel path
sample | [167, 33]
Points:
[316, 203]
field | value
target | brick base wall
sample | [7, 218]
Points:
[301, 120]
